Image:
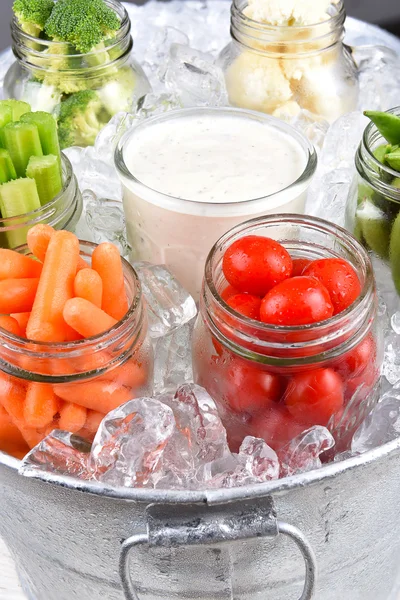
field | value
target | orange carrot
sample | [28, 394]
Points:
[106, 260]
[88, 285]
[93, 420]
[14, 265]
[72, 417]
[12, 397]
[86, 318]
[56, 286]
[130, 374]
[98, 395]
[38, 239]
[40, 405]
[17, 295]
[22, 320]
[11, 325]
[9, 433]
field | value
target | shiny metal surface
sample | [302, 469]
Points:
[66, 536]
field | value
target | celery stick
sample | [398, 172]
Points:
[18, 198]
[7, 169]
[5, 115]
[22, 141]
[47, 127]
[45, 171]
[18, 108]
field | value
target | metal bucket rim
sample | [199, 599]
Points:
[219, 496]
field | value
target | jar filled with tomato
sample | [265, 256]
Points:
[287, 335]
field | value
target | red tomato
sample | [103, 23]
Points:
[249, 389]
[228, 292]
[314, 396]
[276, 426]
[255, 264]
[246, 305]
[296, 301]
[339, 278]
[358, 359]
[299, 264]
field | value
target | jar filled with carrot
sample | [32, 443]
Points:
[73, 338]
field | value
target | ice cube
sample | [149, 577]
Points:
[391, 362]
[95, 174]
[129, 444]
[303, 452]
[110, 135]
[169, 305]
[61, 453]
[7, 59]
[342, 140]
[173, 359]
[313, 127]
[194, 76]
[382, 424]
[395, 322]
[156, 104]
[328, 194]
[379, 77]
[105, 220]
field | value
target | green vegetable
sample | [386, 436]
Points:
[394, 252]
[22, 141]
[388, 125]
[396, 182]
[375, 228]
[17, 198]
[7, 169]
[45, 170]
[82, 23]
[33, 14]
[48, 134]
[393, 160]
[380, 152]
[18, 108]
[81, 117]
[5, 115]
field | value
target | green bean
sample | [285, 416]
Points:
[388, 125]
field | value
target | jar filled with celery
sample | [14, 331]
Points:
[74, 59]
[37, 184]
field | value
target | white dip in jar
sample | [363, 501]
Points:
[190, 175]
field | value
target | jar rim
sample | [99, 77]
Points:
[167, 199]
[264, 332]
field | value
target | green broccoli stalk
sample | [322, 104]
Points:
[33, 14]
[81, 117]
[82, 23]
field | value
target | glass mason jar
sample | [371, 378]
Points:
[63, 212]
[373, 204]
[97, 374]
[47, 73]
[261, 375]
[281, 70]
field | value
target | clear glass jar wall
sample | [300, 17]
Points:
[283, 69]
[63, 212]
[47, 73]
[373, 204]
[236, 358]
[98, 373]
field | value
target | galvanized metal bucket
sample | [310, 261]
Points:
[73, 539]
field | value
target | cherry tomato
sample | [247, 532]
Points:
[246, 305]
[339, 278]
[299, 264]
[228, 292]
[249, 389]
[255, 264]
[276, 426]
[358, 359]
[296, 301]
[314, 396]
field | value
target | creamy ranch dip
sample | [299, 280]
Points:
[194, 174]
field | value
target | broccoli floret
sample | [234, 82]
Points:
[82, 23]
[81, 118]
[33, 14]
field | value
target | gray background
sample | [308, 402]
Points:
[383, 12]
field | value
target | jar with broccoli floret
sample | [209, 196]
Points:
[74, 60]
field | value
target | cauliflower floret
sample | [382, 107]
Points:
[257, 82]
[287, 111]
[289, 12]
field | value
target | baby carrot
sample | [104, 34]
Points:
[38, 239]
[22, 320]
[93, 420]
[98, 395]
[40, 405]
[12, 397]
[11, 325]
[72, 417]
[14, 265]
[106, 260]
[86, 318]
[17, 295]
[56, 286]
[9, 433]
[88, 285]
[130, 374]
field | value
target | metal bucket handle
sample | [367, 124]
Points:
[169, 527]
